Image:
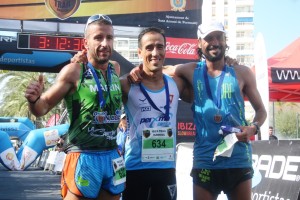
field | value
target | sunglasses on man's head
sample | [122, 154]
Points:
[96, 18]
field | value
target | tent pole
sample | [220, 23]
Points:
[297, 123]
[273, 112]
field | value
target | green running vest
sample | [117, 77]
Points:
[93, 128]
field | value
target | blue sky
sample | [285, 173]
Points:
[278, 21]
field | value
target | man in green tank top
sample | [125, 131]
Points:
[92, 92]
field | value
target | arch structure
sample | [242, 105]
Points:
[34, 141]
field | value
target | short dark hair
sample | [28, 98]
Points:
[149, 30]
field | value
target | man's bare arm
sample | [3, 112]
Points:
[251, 92]
[64, 84]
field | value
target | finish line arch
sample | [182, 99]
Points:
[34, 141]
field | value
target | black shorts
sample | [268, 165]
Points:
[150, 184]
[218, 180]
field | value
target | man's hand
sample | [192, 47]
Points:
[246, 134]
[135, 75]
[34, 90]
[80, 57]
[231, 61]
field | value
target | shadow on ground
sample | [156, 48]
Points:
[32, 184]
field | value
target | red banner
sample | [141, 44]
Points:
[53, 120]
[181, 48]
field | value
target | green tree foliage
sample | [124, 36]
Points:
[13, 85]
[286, 123]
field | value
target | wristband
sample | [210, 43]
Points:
[33, 102]
[256, 126]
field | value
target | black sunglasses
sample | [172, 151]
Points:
[96, 18]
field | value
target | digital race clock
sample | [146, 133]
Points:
[49, 42]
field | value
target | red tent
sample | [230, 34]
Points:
[284, 74]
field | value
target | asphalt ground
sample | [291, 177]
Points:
[32, 184]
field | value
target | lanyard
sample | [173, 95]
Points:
[217, 101]
[167, 107]
[100, 92]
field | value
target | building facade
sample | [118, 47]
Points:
[127, 47]
[237, 17]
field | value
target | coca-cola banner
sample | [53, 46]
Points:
[181, 48]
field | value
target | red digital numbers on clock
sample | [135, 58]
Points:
[55, 43]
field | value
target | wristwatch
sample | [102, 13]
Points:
[256, 125]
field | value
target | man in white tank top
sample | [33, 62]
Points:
[151, 108]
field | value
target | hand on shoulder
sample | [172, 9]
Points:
[80, 57]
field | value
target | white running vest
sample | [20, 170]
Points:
[152, 138]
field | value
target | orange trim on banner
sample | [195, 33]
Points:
[15, 2]
[37, 9]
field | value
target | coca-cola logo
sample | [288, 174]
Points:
[181, 48]
[185, 48]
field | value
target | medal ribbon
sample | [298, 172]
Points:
[100, 92]
[167, 107]
[217, 101]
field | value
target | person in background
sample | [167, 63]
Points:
[271, 134]
[60, 143]
[93, 168]
[122, 133]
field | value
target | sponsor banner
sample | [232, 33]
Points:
[170, 13]
[181, 48]
[12, 58]
[174, 16]
[276, 169]
[178, 50]
[286, 75]
[186, 129]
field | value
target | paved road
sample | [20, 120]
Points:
[32, 184]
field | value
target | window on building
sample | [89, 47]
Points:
[133, 55]
[122, 43]
[213, 11]
[133, 44]
[124, 53]
[240, 46]
[245, 19]
[240, 34]
[247, 60]
[240, 59]
[226, 11]
[244, 34]
[244, 9]
[225, 23]
[249, 46]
